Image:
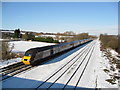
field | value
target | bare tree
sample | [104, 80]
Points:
[6, 51]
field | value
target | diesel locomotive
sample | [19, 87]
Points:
[39, 54]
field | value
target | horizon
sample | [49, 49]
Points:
[52, 17]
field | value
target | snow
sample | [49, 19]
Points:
[4, 39]
[9, 62]
[1, 39]
[53, 36]
[47, 36]
[8, 31]
[22, 46]
[113, 52]
[93, 77]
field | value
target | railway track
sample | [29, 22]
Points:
[15, 71]
[12, 70]
[11, 66]
[77, 63]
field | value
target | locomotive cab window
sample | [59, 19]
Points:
[28, 54]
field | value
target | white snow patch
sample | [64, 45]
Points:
[113, 52]
[4, 39]
[1, 39]
[9, 62]
[22, 46]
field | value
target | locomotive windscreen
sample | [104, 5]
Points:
[28, 54]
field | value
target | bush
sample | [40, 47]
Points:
[46, 39]
[110, 41]
[28, 36]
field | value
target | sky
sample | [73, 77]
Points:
[80, 17]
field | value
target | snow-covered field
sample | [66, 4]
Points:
[21, 47]
[93, 77]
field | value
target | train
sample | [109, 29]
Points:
[40, 54]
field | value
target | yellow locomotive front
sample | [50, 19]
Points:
[26, 58]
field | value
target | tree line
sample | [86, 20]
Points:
[80, 36]
[67, 36]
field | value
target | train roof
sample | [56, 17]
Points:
[52, 46]
[41, 48]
